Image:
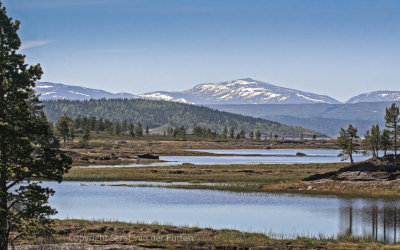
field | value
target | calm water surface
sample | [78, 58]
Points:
[280, 214]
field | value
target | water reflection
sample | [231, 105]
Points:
[283, 215]
[378, 220]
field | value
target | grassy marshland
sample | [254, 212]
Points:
[259, 174]
[242, 178]
[121, 234]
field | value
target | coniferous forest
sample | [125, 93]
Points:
[162, 114]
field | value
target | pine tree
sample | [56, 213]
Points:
[386, 143]
[392, 123]
[232, 133]
[139, 129]
[77, 122]
[258, 135]
[99, 125]
[147, 130]
[28, 148]
[107, 124]
[251, 135]
[86, 135]
[63, 126]
[117, 128]
[124, 126]
[71, 132]
[346, 142]
[225, 132]
[84, 122]
[92, 123]
[131, 128]
[374, 140]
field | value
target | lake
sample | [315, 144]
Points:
[249, 156]
[279, 215]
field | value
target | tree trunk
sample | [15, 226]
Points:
[395, 147]
[3, 214]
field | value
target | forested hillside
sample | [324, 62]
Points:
[325, 118]
[328, 126]
[156, 114]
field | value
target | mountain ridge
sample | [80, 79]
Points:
[240, 91]
[56, 91]
[376, 96]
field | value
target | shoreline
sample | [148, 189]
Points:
[269, 178]
[124, 150]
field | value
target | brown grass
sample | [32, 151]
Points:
[165, 236]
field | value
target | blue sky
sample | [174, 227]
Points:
[333, 47]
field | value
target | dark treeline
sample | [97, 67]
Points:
[68, 129]
[156, 114]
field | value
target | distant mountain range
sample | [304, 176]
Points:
[57, 91]
[377, 96]
[241, 91]
[325, 118]
[257, 99]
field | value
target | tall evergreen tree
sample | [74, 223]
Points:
[386, 143]
[392, 123]
[63, 126]
[131, 128]
[258, 135]
[225, 132]
[77, 122]
[124, 126]
[92, 123]
[232, 133]
[107, 124]
[117, 128]
[251, 135]
[99, 125]
[71, 132]
[346, 142]
[86, 135]
[373, 140]
[28, 148]
[139, 129]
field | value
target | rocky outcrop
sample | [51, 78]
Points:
[377, 169]
[149, 156]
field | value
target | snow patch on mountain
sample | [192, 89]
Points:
[54, 91]
[376, 96]
[241, 91]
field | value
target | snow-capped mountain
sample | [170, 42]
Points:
[241, 91]
[54, 91]
[377, 96]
